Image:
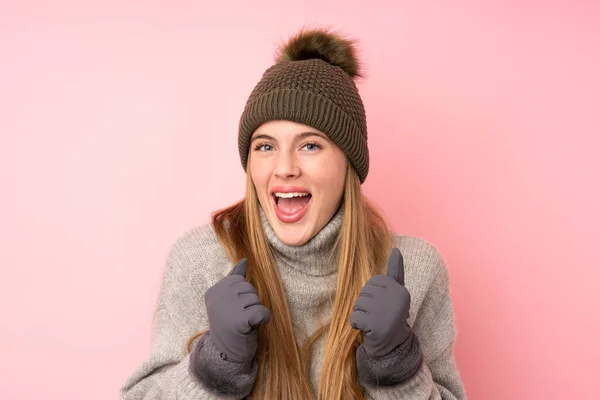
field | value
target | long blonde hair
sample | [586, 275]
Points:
[364, 243]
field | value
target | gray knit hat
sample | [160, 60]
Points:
[312, 83]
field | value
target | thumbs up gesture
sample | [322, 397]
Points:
[382, 309]
[234, 310]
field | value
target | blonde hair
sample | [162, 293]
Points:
[364, 243]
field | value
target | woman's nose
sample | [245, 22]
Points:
[286, 166]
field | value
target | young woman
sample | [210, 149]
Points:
[300, 291]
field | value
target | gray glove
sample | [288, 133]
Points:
[382, 309]
[234, 311]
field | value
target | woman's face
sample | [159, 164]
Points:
[299, 178]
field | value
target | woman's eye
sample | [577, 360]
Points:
[311, 146]
[264, 147]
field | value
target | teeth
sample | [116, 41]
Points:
[290, 195]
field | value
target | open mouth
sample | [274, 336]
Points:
[291, 206]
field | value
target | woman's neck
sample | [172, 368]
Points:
[316, 257]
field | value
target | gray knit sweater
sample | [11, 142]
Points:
[198, 261]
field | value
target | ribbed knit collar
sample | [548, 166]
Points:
[316, 257]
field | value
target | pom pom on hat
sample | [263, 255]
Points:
[322, 44]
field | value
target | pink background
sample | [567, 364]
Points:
[118, 132]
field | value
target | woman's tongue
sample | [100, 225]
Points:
[291, 205]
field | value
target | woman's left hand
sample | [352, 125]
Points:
[382, 309]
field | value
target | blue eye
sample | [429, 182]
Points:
[311, 146]
[263, 147]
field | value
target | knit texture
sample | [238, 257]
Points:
[198, 261]
[314, 93]
[219, 375]
[391, 369]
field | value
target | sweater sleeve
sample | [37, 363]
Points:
[166, 373]
[437, 377]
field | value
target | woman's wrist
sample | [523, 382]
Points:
[394, 368]
[219, 374]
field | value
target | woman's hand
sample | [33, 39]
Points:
[382, 309]
[234, 310]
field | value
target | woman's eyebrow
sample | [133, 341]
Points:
[304, 135]
[299, 136]
[262, 136]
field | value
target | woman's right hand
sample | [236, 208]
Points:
[234, 310]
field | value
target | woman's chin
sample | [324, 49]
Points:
[292, 233]
[291, 236]
[295, 234]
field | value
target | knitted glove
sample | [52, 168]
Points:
[234, 311]
[221, 377]
[381, 313]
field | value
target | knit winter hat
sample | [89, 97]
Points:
[312, 82]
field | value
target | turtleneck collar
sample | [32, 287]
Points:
[317, 256]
